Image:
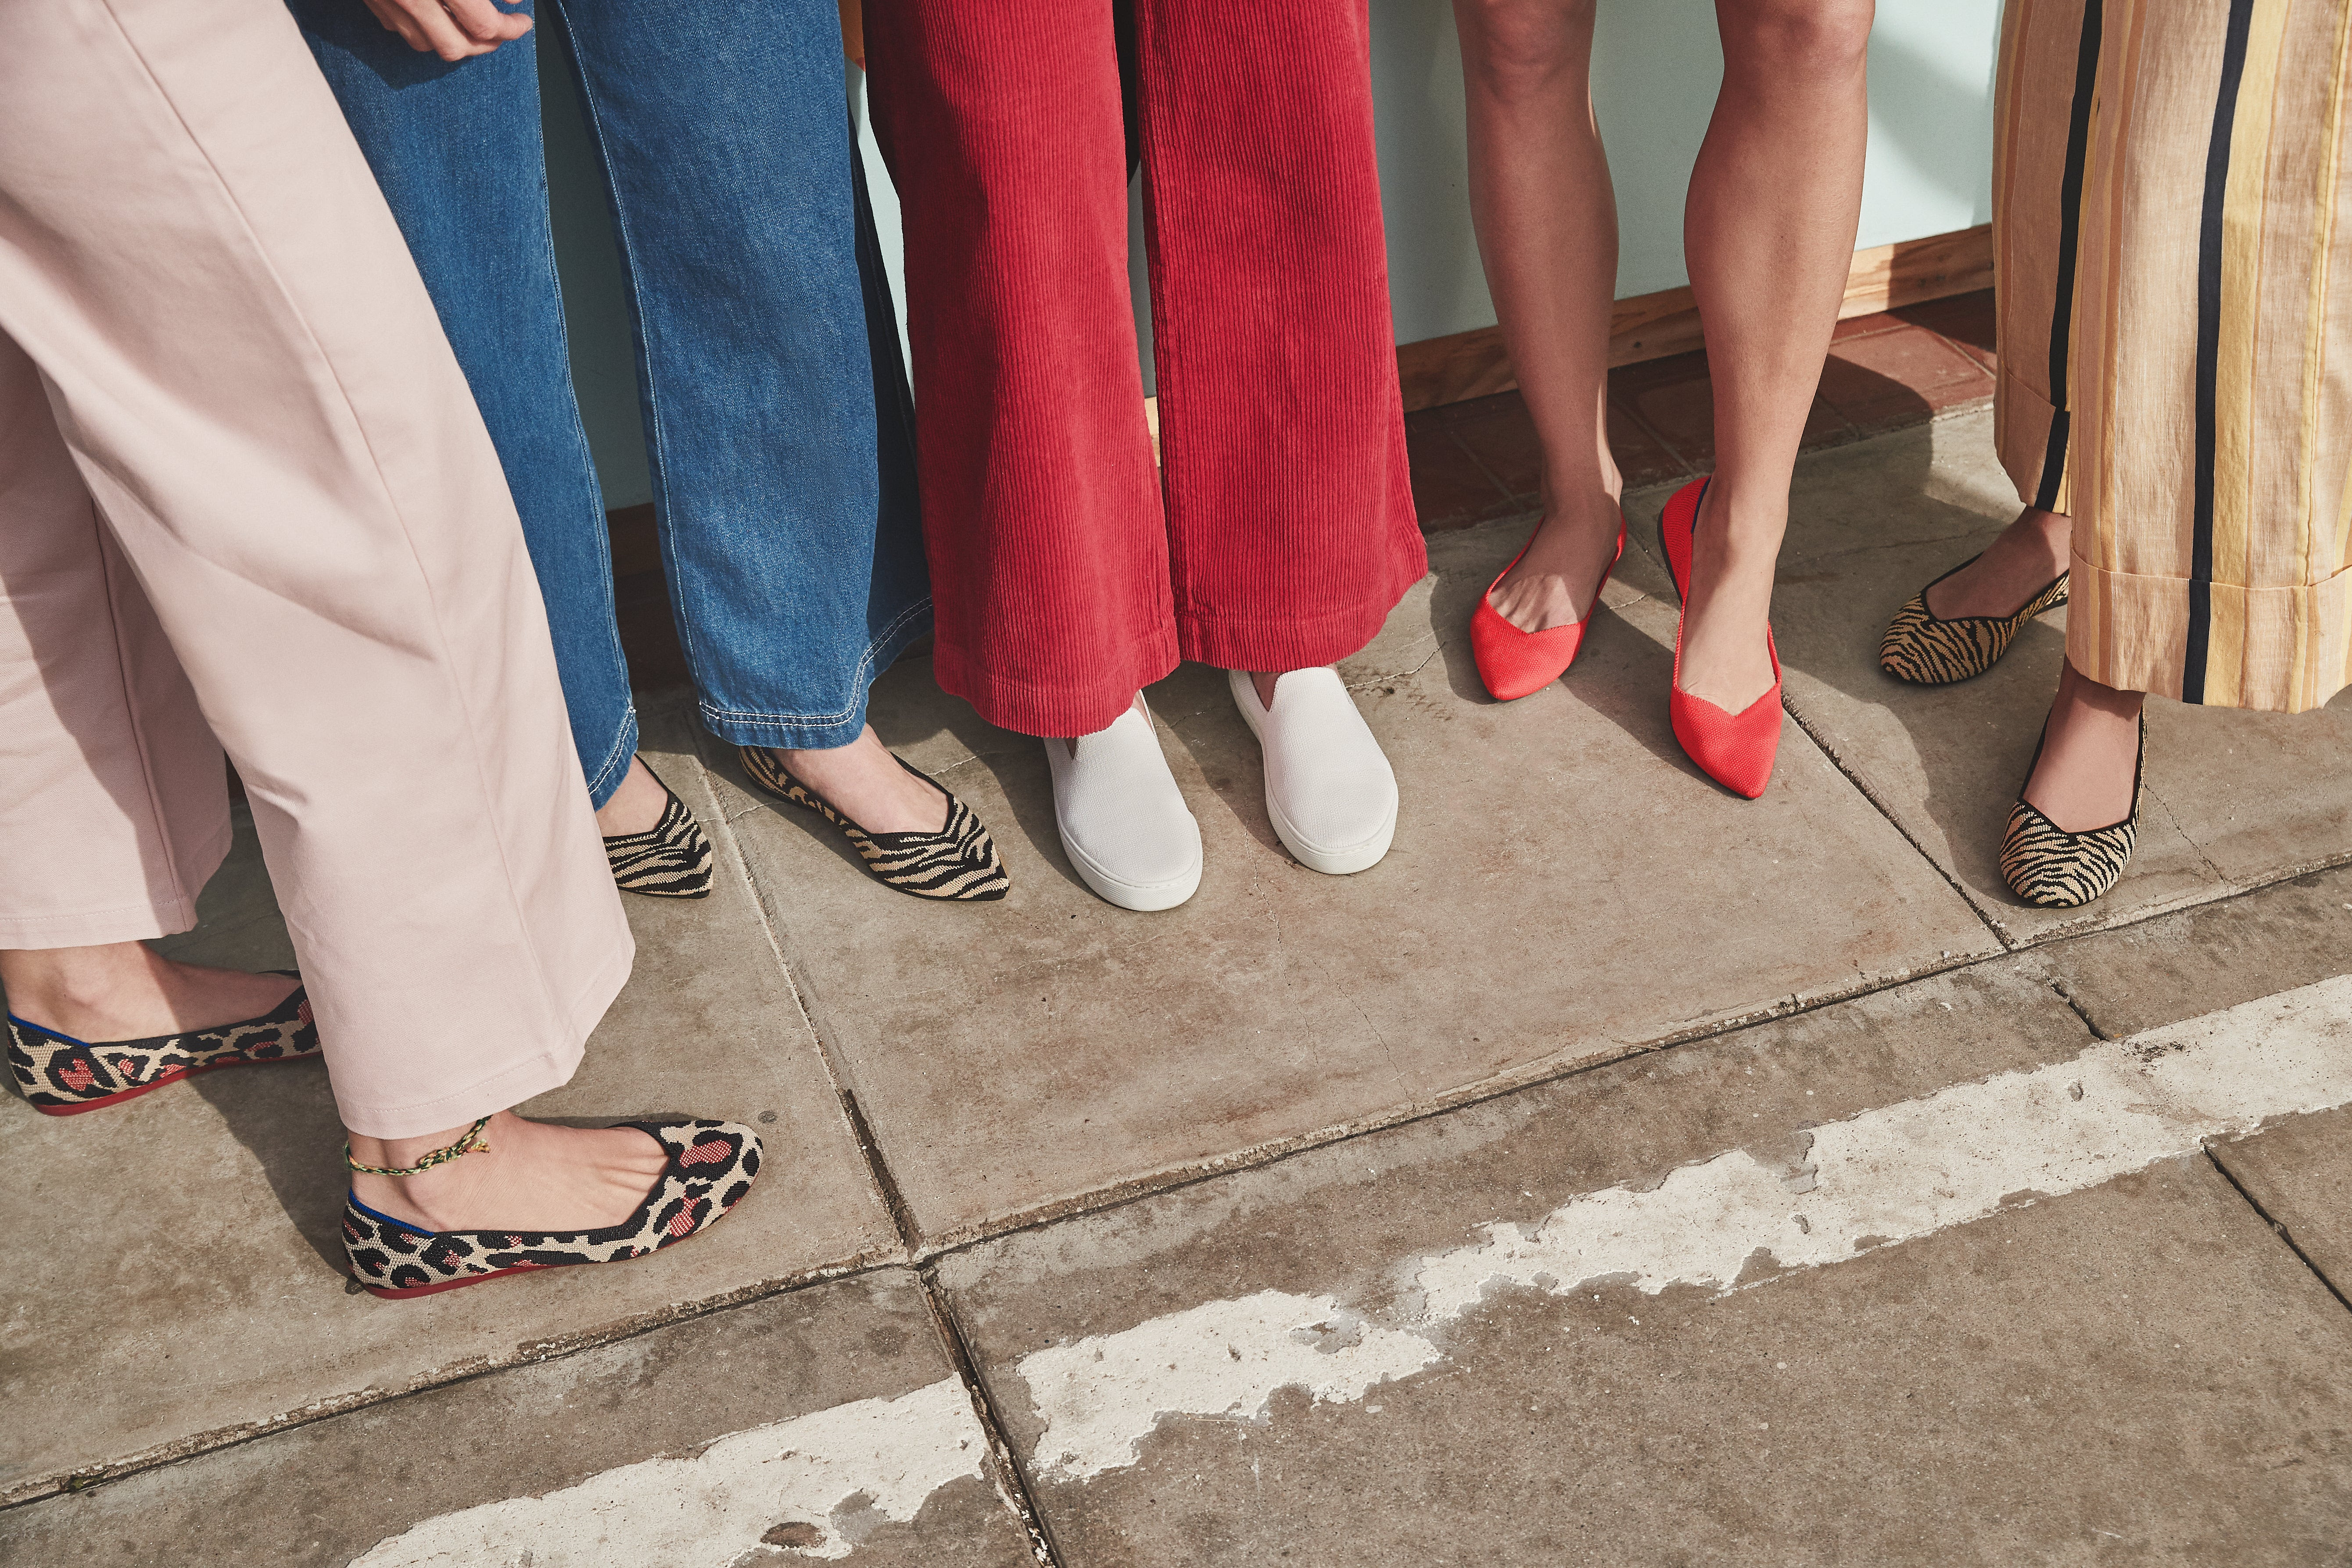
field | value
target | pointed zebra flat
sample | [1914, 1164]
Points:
[2051, 868]
[958, 863]
[670, 859]
[1923, 648]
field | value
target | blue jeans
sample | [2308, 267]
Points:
[766, 342]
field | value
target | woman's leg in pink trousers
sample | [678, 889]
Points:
[244, 494]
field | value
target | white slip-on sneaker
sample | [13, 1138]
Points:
[1328, 786]
[1123, 821]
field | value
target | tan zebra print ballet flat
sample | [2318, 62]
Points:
[958, 863]
[670, 859]
[1923, 648]
[2053, 869]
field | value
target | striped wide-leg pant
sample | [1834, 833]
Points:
[2173, 234]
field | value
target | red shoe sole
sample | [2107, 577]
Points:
[173, 1076]
[391, 1293]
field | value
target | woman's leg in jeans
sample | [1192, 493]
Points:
[1547, 221]
[767, 348]
[456, 149]
[1769, 236]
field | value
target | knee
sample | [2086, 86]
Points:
[1808, 38]
[1517, 49]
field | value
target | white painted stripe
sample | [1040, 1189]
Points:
[834, 1473]
[1885, 1176]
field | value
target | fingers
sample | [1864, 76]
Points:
[455, 30]
[485, 22]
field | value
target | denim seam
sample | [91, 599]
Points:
[623, 747]
[864, 684]
[645, 382]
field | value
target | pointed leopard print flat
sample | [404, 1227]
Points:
[62, 1076]
[712, 1165]
[958, 863]
[670, 859]
[1923, 648]
[2051, 868]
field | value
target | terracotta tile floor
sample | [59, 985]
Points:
[1476, 461]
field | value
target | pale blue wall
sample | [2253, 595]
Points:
[1655, 73]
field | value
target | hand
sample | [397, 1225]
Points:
[453, 29]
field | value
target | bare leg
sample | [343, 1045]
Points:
[1769, 236]
[637, 805]
[1546, 222]
[123, 991]
[865, 780]
[2084, 777]
[530, 1177]
[2020, 563]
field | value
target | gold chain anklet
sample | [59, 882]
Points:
[465, 1146]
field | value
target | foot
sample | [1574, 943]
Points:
[123, 990]
[1123, 822]
[1733, 550]
[637, 805]
[1558, 580]
[2090, 754]
[866, 783]
[2027, 558]
[1329, 790]
[529, 1177]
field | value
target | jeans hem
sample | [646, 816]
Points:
[615, 766]
[823, 732]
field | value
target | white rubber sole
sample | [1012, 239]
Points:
[1346, 861]
[1144, 898]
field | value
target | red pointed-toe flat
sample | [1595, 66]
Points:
[1516, 663]
[1735, 750]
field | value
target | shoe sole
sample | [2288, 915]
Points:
[176, 1075]
[395, 1294]
[1330, 862]
[1142, 897]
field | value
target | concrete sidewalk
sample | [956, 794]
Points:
[1618, 1173]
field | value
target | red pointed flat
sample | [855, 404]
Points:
[1735, 749]
[1516, 663]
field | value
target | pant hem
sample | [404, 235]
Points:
[502, 1090]
[2288, 652]
[615, 766]
[802, 732]
[1056, 707]
[125, 921]
[1247, 643]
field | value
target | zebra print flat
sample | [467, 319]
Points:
[2051, 868]
[957, 862]
[1927, 650]
[670, 859]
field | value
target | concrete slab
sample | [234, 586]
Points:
[1564, 885]
[2299, 1172]
[2233, 799]
[826, 1420]
[199, 1225]
[1409, 1348]
[2178, 966]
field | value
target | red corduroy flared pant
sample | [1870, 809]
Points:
[1280, 529]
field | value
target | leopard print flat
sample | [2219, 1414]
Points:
[1923, 648]
[2051, 868]
[958, 863]
[670, 859]
[711, 1164]
[62, 1076]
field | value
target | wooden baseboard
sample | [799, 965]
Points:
[1439, 370]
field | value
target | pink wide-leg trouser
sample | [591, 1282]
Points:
[246, 502]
